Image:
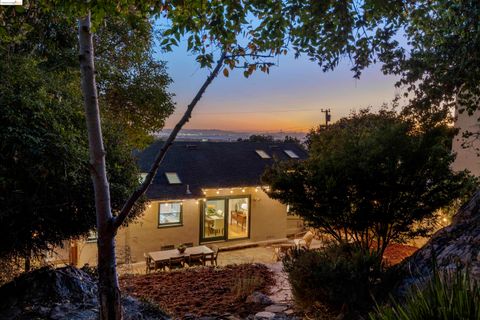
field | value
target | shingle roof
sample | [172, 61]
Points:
[211, 165]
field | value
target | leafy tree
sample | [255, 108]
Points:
[45, 191]
[441, 65]
[132, 82]
[258, 138]
[326, 31]
[371, 178]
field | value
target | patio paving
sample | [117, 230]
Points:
[261, 254]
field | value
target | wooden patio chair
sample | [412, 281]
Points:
[196, 260]
[176, 263]
[305, 241]
[167, 247]
[212, 257]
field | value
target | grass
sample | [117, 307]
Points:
[448, 296]
[245, 286]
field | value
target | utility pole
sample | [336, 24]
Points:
[328, 116]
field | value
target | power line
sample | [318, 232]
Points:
[269, 111]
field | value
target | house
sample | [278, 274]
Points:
[206, 192]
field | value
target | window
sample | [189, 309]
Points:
[262, 154]
[92, 236]
[291, 154]
[172, 178]
[169, 213]
[142, 177]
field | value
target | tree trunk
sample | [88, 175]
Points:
[109, 292]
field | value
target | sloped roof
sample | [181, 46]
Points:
[211, 165]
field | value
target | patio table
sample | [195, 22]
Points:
[174, 253]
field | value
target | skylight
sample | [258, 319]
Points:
[173, 178]
[291, 154]
[262, 154]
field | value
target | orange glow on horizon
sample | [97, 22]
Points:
[250, 122]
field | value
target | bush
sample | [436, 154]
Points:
[452, 297]
[340, 276]
[246, 285]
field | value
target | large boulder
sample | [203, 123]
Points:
[457, 245]
[63, 293]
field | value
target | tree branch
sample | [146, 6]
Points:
[127, 207]
[254, 55]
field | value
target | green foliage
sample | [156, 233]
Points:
[371, 179]
[341, 276]
[132, 82]
[253, 32]
[451, 296]
[258, 138]
[45, 187]
[441, 65]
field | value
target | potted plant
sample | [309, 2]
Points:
[181, 248]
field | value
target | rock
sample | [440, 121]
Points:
[259, 298]
[457, 245]
[63, 293]
[276, 308]
[264, 315]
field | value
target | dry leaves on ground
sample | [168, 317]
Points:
[203, 290]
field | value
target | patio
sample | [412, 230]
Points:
[259, 254]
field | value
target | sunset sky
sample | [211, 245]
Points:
[288, 99]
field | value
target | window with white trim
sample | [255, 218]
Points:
[173, 178]
[262, 154]
[92, 236]
[291, 154]
[169, 214]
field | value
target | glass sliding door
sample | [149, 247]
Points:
[225, 218]
[238, 217]
[213, 219]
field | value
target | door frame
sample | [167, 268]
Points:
[226, 215]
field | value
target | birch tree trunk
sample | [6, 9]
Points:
[107, 225]
[109, 292]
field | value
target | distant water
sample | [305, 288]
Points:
[222, 135]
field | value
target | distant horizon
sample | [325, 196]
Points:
[240, 131]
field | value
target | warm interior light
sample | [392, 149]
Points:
[243, 190]
[218, 191]
[231, 191]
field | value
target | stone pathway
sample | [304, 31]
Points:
[282, 304]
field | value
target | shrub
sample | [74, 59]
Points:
[245, 286]
[453, 296]
[341, 276]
